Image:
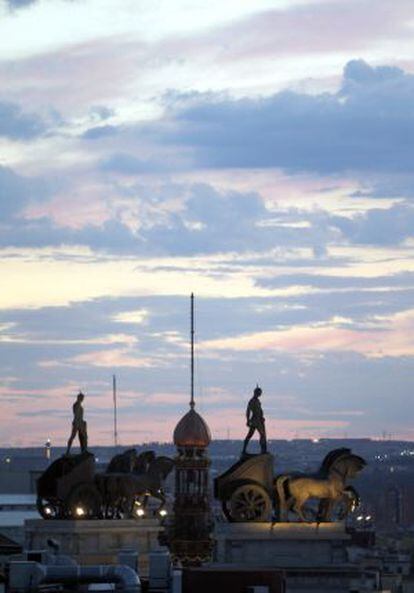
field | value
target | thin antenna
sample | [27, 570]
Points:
[115, 411]
[192, 402]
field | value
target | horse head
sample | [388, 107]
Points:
[331, 458]
[161, 467]
[348, 465]
[143, 462]
[122, 462]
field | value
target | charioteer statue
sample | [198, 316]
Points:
[249, 490]
[79, 426]
[255, 421]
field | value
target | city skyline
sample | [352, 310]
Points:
[256, 154]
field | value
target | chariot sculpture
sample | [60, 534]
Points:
[70, 488]
[246, 489]
[249, 490]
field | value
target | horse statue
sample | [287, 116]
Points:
[129, 461]
[132, 479]
[328, 485]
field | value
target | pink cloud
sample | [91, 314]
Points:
[394, 337]
[105, 70]
[87, 206]
[315, 28]
[93, 72]
[117, 357]
[49, 392]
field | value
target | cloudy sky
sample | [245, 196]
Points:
[259, 153]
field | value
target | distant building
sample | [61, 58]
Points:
[15, 509]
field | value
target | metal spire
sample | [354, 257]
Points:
[192, 402]
[115, 410]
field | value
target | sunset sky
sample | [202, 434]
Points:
[259, 153]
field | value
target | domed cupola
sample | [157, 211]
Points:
[192, 431]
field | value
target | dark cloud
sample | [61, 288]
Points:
[16, 192]
[12, 192]
[101, 112]
[112, 237]
[16, 125]
[99, 132]
[359, 75]
[19, 3]
[368, 125]
[208, 222]
[321, 280]
[16, 4]
[215, 221]
[128, 164]
[378, 226]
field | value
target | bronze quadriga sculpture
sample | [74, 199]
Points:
[249, 491]
[71, 489]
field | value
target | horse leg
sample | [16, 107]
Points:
[129, 506]
[283, 500]
[323, 510]
[298, 509]
[162, 498]
[329, 508]
[145, 501]
[289, 507]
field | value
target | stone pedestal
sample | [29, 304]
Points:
[97, 541]
[312, 557]
[283, 545]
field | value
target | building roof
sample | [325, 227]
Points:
[16, 518]
[17, 499]
[192, 431]
[7, 544]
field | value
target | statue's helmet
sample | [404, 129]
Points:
[257, 391]
[81, 396]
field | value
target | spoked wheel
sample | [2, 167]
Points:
[84, 502]
[125, 509]
[48, 509]
[249, 502]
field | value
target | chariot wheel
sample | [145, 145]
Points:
[249, 502]
[125, 509]
[84, 502]
[48, 509]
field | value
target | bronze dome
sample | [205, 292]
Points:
[192, 431]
